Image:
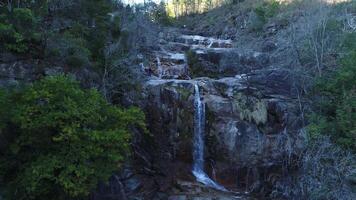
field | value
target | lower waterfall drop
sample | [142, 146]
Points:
[198, 146]
[159, 67]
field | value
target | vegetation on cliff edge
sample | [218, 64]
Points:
[61, 140]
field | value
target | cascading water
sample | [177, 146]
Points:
[211, 42]
[198, 146]
[159, 67]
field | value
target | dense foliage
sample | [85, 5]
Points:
[159, 14]
[263, 11]
[336, 105]
[72, 32]
[18, 30]
[60, 140]
[179, 8]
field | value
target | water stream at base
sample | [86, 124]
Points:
[198, 146]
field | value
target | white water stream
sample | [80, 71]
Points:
[159, 67]
[198, 145]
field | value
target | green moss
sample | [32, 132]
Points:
[197, 68]
[335, 104]
[210, 116]
[185, 124]
[184, 93]
[193, 63]
[251, 108]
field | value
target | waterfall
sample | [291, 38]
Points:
[159, 67]
[198, 145]
[142, 67]
[211, 43]
[199, 124]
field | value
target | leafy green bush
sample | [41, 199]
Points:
[88, 20]
[62, 140]
[78, 31]
[262, 12]
[336, 104]
[72, 50]
[29, 27]
[23, 19]
[349, 45]
[76, 61]
[12, 40]
[76, 53]
[18, 30]
[256, 23]
[4, 107]
[333, 25]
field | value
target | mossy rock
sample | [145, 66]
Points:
[251, 108]
[184, 127]
[184, 93]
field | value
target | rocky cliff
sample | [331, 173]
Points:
[253, 126]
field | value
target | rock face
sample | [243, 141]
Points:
[253, 129]
[12, 71]
[15, 70]
[250, 132]
[227, 62]
[115, 190]
[196, 56]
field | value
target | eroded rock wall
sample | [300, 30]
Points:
[252, 134]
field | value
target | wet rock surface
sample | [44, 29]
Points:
[246, 127]
[213, 58]
[253, 129]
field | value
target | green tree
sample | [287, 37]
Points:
[263, 12]
[336, 103]
[18, 30]
[62, 140]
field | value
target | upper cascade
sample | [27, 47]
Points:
[207, 42]
[171, 62]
